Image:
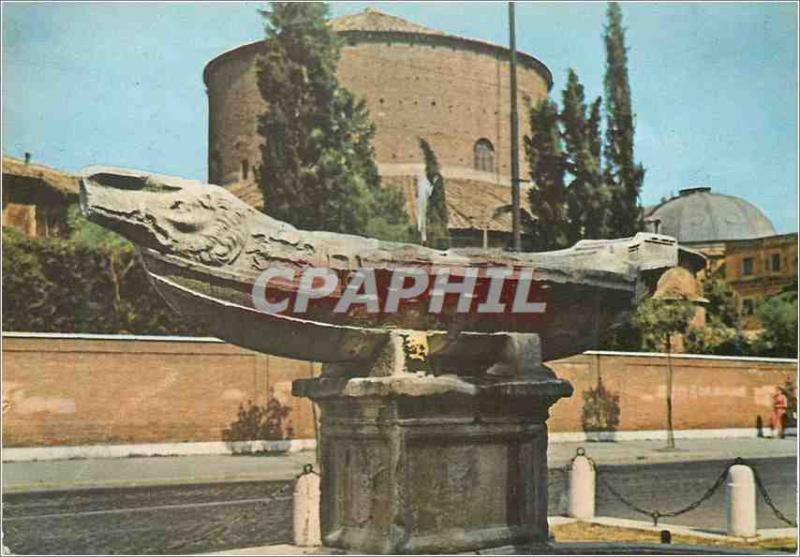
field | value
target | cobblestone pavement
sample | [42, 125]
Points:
[147, 520]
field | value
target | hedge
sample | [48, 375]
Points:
[68, 286]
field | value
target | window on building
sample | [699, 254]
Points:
[748, 306]
[484, 155]
[775, 262]
[245, 169]
[747, 266]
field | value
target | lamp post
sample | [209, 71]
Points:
[515, 214]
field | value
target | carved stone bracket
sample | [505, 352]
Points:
[516, 356]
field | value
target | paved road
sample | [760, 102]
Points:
[213, 517]
[170, 519]
[672, 486]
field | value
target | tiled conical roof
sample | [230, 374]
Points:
[374, 20]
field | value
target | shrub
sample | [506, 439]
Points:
[81, 286]
[600, 409]
[257, 423]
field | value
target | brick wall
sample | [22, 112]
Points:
[19, 216]
[708, 392]
[76, 391]
[451, 96]
[72, 391]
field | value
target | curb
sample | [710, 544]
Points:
[763, 534]
[150, 482]
[287, 549]
[209, 448]
[220, 448]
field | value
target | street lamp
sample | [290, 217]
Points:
[515, 214]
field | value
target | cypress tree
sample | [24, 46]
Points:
[588, 197]
[436, 217]
[317, 166]
[548, 195]
[623, 174]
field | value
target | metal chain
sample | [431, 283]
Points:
[703, 498]
[307, 469]
[656, 515]
[580, 451]
[768, 500]
[283, 490]
[652, 514]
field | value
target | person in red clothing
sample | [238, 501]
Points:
[779, 404]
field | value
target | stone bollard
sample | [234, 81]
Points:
[740, 502]
[581, 487]
[305, 506]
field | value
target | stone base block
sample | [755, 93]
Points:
[463, 469]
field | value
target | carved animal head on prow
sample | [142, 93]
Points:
[200, 222]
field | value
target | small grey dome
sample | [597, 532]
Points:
[697, 215]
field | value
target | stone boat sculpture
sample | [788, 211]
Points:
[205, 250]
[433, 392]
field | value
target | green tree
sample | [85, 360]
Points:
[721, 334]
[317, 166]
[715, 338]
[588, 198]
[436, 216]
[659, 322]
[81, 231]
[548, 195]
[778, 316]
[622, 173]
[723, 302]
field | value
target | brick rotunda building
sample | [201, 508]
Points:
[417, 82]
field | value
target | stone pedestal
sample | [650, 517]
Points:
[415, 462]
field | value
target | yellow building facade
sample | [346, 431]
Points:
[759, 268]
[738, 240]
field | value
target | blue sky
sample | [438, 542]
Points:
[714, 84]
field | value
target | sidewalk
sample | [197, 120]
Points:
[652, 452]
[155, 470]
[139, 471]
